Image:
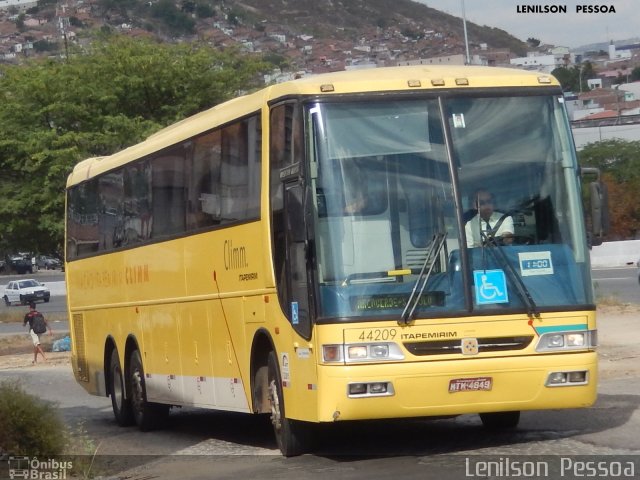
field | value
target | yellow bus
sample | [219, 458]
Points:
[320, 251]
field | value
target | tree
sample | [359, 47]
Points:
[534, 42]
[574, 79]
[175, 20]
[20, 22]
[619, 162]
[76, 22]
[204, 10]
[120, 7]
[188, 6]
[44, 46]
[53, 114]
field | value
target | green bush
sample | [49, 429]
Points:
[28, 425]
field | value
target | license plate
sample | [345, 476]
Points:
[39, 294]
[470, 384]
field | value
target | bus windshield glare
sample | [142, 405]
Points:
[397, 186]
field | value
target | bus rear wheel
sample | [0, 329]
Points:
[121, 405]
[292, 436]
[500, 420]
[148, 416]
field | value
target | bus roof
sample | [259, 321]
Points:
[393, 79]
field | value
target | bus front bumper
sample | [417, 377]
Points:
[444, 388]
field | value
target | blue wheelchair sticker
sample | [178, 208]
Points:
[490, 287]
[294, 313]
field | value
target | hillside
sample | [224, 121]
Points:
[295, 34]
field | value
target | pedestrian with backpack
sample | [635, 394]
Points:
[37, 326]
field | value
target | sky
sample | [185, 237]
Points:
[570, 29]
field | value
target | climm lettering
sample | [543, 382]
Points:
[234, 257]
[541, 9]
[136, 274]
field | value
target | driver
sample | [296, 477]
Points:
[486, 219]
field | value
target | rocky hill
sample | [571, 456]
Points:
[311, 35]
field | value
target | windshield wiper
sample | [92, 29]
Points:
[423, 277]
[501, 258]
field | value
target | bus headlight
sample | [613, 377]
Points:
[361, 352]
[576, 339]
[357, 352]
[559, 341]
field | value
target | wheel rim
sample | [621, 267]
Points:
[274, 400]
[137, 396]
[117, 387]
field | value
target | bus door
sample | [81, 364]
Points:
[297, 250]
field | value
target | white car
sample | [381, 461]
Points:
[25, 291]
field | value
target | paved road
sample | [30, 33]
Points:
[198, 444]
[617, 284]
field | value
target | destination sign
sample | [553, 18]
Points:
[391, 301]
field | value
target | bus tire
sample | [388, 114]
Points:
[292, 436]
[500, 420]
[120, 404]
[148, 416]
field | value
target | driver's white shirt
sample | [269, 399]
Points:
[472, 229]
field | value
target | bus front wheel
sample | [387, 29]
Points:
[121, 405]
[292, 436]
[148, 416]
[500, 420]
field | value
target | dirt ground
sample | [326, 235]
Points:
[618, 337]
[619, 341]
[16, 351]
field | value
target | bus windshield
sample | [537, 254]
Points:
[398, 187]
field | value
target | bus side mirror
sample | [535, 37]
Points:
[598, 207]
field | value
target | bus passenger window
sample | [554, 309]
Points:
[239, 171]
[111, 188]
[168, 195]
[82, 220]
[205, 208]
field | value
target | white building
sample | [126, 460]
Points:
[618, 54]
[21, 5]
[594, 83]
[542, 63]
[278, 37]
[458, 59]
[633, 87]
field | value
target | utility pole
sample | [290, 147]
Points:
[466, 40]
